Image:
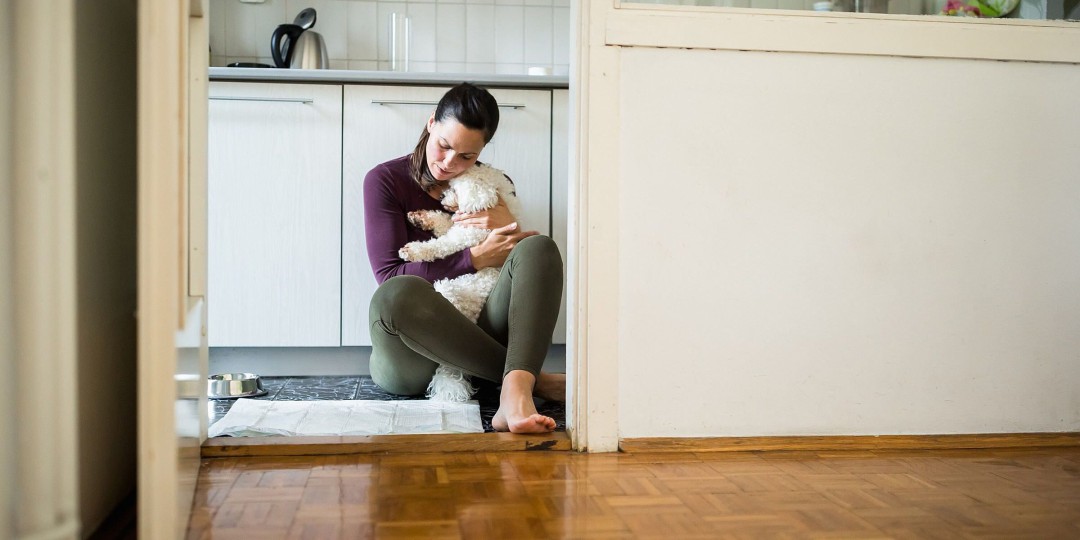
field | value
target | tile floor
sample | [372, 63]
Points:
[362, 387]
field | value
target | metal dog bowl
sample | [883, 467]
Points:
[234, 385]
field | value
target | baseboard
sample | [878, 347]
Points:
[377, 444]
[291, 361]
[848, 442]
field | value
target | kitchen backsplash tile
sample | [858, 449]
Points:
[470, 36]
[509, 34]
[384, 11]
[240, 38]
[560, 36]
[480, 34]
[423, 28]
[423, 67]
[332, 18]
[362, 37]
[450, 37]
[451, 67]
[539, 47]
[510, 69]
[217, 32]
[479, 67]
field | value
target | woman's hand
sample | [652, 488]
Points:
[494, 250]
[493, 218]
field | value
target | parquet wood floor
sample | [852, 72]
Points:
[1015, 493]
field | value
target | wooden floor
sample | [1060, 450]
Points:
[1032, 493]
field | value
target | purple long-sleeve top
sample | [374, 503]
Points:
[389, 194]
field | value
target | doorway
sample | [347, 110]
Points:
[330, 358]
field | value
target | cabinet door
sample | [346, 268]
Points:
[384, 122]
[522, 148]
[560, 172]
[274, 205]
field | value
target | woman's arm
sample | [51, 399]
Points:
[494, 250]
[386, 231]
[505, 230]
[493, 218]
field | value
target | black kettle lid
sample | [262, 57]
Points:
[305, 19]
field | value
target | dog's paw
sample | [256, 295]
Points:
[416, 218]
[405, 254]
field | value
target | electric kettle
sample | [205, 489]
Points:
[297, 46]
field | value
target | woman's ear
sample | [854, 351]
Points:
[431, 123]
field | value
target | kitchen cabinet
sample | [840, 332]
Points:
[274, 207]
[288, 265]
[384, 122]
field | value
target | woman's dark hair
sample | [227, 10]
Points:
[469, 105]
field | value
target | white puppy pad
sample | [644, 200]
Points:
[256, 418]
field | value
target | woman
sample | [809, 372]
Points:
[413, 328]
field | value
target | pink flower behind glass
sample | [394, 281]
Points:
[961, 8]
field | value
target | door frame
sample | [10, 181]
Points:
[38, 323]
[172, 353]
[875, 34]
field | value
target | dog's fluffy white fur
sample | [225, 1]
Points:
[478, 188]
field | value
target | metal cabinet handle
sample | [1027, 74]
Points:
[278, 100]
[433, 103]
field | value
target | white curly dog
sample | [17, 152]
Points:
[478, 188]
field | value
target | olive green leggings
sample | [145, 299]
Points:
[413, 328]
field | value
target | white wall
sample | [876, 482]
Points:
[458, 36]
[853, 245]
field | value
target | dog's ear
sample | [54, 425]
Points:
[450, 199]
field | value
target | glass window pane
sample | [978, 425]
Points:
[1015, 9]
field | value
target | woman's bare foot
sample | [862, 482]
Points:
[551, 386]
[517, 413]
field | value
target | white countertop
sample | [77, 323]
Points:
[385, 77]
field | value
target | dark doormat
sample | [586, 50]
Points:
[362, 387]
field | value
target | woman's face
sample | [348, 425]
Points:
[451, 148]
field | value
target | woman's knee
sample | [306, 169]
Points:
[400, 379]
[541, 251]
[540, 255]
[401, 296]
